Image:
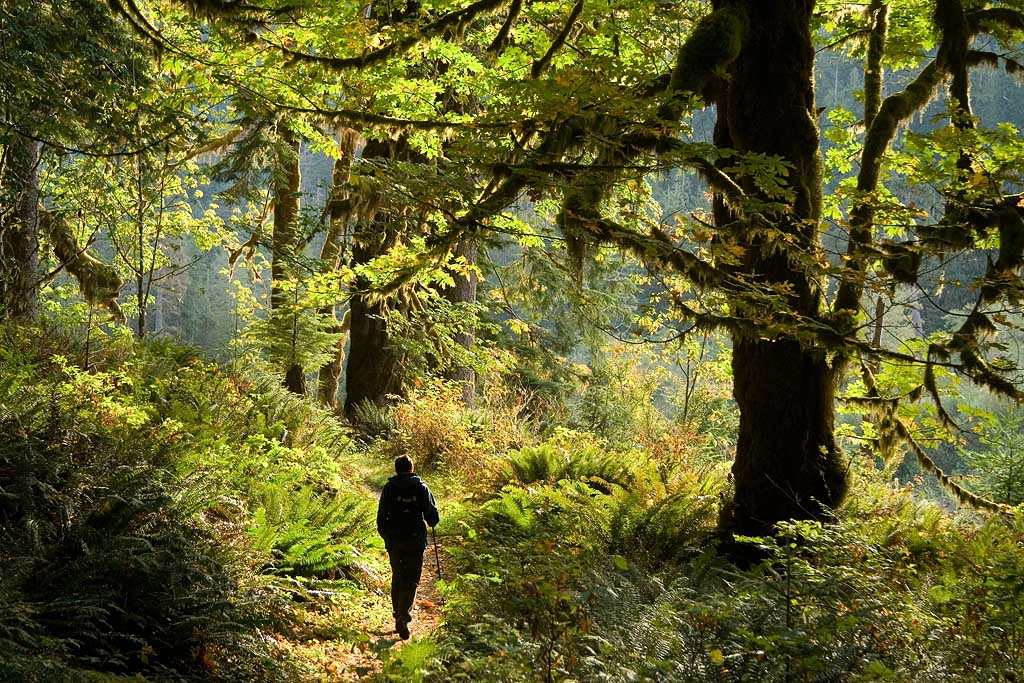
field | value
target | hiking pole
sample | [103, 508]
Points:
[437, 559]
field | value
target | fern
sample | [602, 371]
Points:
[552, 461]
[531, 464]
[512, 508]
[110, 569]
[375, 421]
[310, 534]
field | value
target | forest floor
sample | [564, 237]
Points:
[345, 640]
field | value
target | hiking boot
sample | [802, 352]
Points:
[403, 629]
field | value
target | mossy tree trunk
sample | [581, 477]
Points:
[787, 462]
[464, 292]
[19, 229]
[286, 243]
[329, 377]
[375, 367]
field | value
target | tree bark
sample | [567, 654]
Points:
[787, 463]
[19, 230]
[295, 379]
[464, 292]
[375, 368]
[329, 377]
[285, 243]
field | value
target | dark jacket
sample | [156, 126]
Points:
[405, 503]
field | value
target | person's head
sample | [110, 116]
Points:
[403, 464]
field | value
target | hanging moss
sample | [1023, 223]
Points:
[714, 43]
[995, 19]
[964, 496]
[577, 222]
[901, 261]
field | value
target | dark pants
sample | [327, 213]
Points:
[406, 565]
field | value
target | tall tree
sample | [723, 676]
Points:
[331, 255]
[82, 93]
[375, 369]
[286, 246]
[56, 91]
[463, 291]
[787, 462]
[19, 227]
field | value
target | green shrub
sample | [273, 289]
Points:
[281, 464]
[564, 582]
[111, 563]
[523, 575]
[437, 431]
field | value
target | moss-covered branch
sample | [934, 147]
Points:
[713, 45]
[99, 283]
[893, 111]
[500, 40]
[878, 13]
[992, 59]
[928, 465]
[991, 18]
[541, 64]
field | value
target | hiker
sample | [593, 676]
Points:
[405, 503]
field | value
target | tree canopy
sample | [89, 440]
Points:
[452, 123]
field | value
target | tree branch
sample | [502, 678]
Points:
[437, 27]
[541, 64]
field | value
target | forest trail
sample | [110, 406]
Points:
[355, 654]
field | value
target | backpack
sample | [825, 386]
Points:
[405, 516]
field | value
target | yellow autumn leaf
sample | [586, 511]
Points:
[716, 656]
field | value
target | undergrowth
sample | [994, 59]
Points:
[160, 517]
[164, 520]
[567, 574]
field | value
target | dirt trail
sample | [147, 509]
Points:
[347, 660]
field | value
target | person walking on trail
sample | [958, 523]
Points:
[405, 504]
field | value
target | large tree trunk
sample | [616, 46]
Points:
[285, 244]
[787, 463]
[464, 292]
[375, 368]
[329, 377]
[19, 229]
